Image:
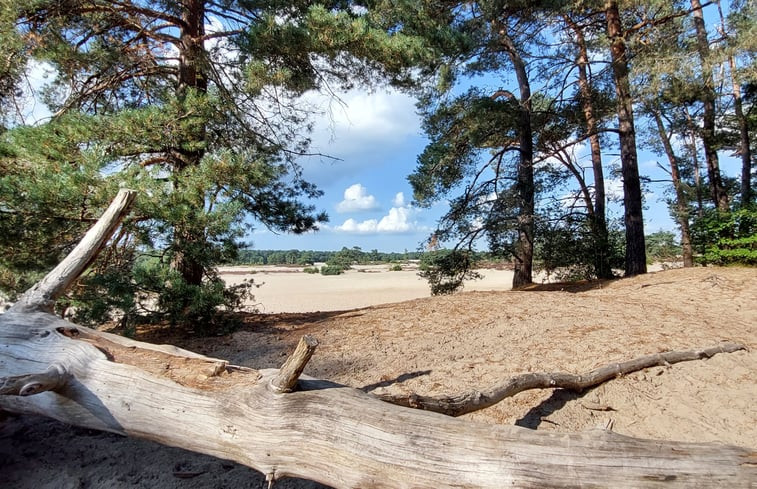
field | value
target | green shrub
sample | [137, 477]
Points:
[146, 289]
[332, 270]
[395, 268]
[726, 238]
[310, 270]
[568, 250]
[344, 259]
[446, 270]
[661, 246]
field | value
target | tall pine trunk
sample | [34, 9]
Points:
[636, 258]
[189, 237]
[744, 148]
[682, 208]
[524, 247]
[691, 142]
[717, 189]
[598, 219]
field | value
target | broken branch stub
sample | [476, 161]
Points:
[29, 384]
[290, 372]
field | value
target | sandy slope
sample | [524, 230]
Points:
[450, 344]
[288, 290]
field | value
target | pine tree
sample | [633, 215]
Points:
[194, 103]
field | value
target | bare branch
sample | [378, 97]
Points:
[42, 296]
[468, 402]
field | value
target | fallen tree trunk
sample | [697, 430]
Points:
[309, 428]
[469, 402]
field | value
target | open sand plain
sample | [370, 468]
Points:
[449, 345]
[288, 289]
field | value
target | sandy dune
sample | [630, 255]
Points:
[447, 345]
[289, 290]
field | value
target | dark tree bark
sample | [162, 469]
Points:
[745, 149]
[636, 258]
[598, 219]
[188, 237]
[717, 190]
[524, 247]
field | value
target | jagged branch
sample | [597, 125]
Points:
[468, 402]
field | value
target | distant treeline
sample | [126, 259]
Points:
[661, 246]
[309, 257]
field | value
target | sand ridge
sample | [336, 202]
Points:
[443, 345]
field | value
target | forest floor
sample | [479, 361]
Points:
[458, 343]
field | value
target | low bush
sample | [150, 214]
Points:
[446, 270]
[332, 270]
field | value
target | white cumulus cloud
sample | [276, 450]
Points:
[359, 119]
[399, 220]
[352, 226]
[357, 198]
[399, 200]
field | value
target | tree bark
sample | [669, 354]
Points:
[745, 150]
[524, 246]
[636, 258]
[598, 220]
[322, 431]
[188, 236]
[717, 190]
[682, 208]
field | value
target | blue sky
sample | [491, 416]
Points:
[375, 138]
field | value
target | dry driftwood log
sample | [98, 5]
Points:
[322, 431]
[468, 402]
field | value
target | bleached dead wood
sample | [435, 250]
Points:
[322, 431]
[41, 297]
[468, 402]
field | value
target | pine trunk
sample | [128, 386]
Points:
[745, 149]
[636, 259]
[598, 219]
[524, 247]
[717, 189]
[682, 208]
[188, 237]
